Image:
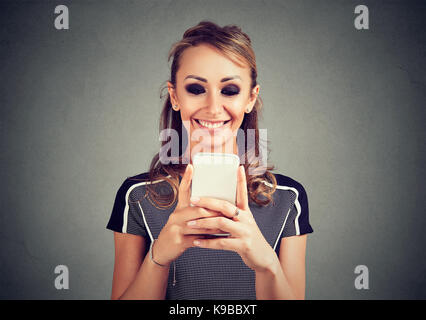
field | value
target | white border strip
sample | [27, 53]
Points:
[126, 208]
[282, 228]
[146, 224]
[296, 202]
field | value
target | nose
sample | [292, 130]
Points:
[214, 104]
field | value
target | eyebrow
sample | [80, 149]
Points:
[205, 80]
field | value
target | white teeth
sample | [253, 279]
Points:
[211, 125]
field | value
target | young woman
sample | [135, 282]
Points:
[159, 250]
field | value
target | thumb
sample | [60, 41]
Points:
[184, 192]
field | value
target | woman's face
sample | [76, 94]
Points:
[213, 94]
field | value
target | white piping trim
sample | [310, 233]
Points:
[146, 224]
[126, 208]
[296, 203]
[282, 228]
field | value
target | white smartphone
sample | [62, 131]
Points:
[215, 175]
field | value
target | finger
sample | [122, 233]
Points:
[189, 240]
[221, 223]
[223, 206]
[193, 213]
[242, 196]
[231, 244]
[198, 231]
[184, 192]
[201, 213]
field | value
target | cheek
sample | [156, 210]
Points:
[186, 120]
[187, 109]
[236, 110]
[189, 106]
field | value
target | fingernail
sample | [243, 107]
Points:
[197, 243]
[195, 199]
[191, 223]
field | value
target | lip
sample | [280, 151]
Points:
[212, 130]
[212, 121]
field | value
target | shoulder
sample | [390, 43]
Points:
[125, 216]
[138, 181]
[299, 220]
[286, 185]
[289, 184]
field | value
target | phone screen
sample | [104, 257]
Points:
[215, 175]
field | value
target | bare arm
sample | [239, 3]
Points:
[286, 277]
[137, 276]
[293, 263]
[134, 276]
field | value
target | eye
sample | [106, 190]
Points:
[231, 90]
[195, 88]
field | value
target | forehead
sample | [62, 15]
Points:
[208, 62]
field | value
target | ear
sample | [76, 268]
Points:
[253, 97]
[172, 93]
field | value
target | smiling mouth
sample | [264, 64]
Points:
[211, 124]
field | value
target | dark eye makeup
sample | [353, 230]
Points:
[231, 90]
[197, 89]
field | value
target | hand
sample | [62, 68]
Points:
[176, 236]
[246, 238]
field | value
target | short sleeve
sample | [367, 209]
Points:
[126, 214]
[297, 222]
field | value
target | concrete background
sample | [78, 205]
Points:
[344, 109]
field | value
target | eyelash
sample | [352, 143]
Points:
[197, 89]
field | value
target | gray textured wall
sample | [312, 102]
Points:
[344, 109]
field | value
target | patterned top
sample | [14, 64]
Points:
[202, 273]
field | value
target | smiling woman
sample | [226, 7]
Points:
[213, 85]
[213, 90]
